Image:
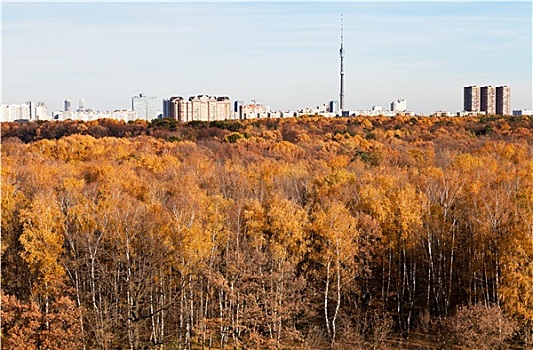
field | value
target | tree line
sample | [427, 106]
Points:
[299, 233]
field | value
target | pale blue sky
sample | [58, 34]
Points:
[285, 55]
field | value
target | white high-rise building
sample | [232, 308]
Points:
[28, 111]
[399, 106]
[333, 107]
[67, 105]
[147, 108]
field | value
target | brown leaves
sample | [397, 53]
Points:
[20, 323]
[479, 327]
[24, 326]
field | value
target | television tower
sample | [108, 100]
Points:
[342, 70]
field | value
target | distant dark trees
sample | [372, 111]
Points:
[424, 128]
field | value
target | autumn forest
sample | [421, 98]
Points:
[301, 233]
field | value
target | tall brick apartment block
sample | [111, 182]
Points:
[503, 100]
[471, 98]
[488, 99]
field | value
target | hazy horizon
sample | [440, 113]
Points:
[285, 55]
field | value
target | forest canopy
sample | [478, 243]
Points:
[292, 233]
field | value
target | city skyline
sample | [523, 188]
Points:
[283, 54]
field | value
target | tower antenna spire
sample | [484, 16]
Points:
[341, 52]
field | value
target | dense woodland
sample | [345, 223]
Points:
[311, 233]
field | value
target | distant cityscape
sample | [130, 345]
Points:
[478, 100]
[487, 100]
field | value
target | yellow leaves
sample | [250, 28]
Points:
[528, 168]
[13, 200]
[198, 227]
[150, 162]
[11, 195]
[503, 125]
[286, 222]
[408, 204]
[339, 137]
[434, 173]
[397, 206]
[73, 148]
[195, 244]
[339, 161]
[367, 124]
[374, 199]
[42, 241]
[525, 195]
[255, 222]
[303, 138]
[475, 169]
[71, 184]
[76, 148]
[517, 251]
[274, 135]
[517, 274]
[215, 217]
[279, 224]
[426, 121]
[467, 162]
[46, 148]
[337, 177]
[442, 133]
[514, 152]
[422, 156]
[86, 215]
[287, 150]
[340, 178]
[392, 135]
[115, 148]
[337, 229]
[172, 209]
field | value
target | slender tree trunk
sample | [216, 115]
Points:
[129, 298]
[496, 287]
[338, 305]
[221, 315]
[326, 295]
[450, 275]
[153, 323]
[78, 303]
[279, 304]
[411, 295]
[430, 271]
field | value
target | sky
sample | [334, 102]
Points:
[282, 54]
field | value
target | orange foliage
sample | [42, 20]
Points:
[166, 235]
